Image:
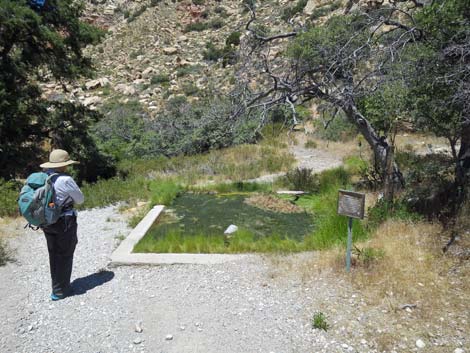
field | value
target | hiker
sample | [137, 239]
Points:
[62, 236]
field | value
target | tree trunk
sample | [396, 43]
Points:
[381, 148]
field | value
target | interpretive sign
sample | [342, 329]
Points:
[351, 204]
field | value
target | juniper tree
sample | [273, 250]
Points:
[39, 43]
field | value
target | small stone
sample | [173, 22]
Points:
[137, 341]
[138, 327]
[459, 350]
[170, 50]
[420, 344]
[363, 342]
[169, 337]
[182, 328]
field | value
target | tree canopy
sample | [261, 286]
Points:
[36, 44]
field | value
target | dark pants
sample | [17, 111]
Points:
[61, 241]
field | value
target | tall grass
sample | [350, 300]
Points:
[9, 191]
[330, 228]
[4, 254]
[243, 241]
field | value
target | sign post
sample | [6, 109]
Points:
[352, 205]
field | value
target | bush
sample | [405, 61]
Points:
[310, 144]
[198, 2]
[4, 253]
[190, 89]
[325, 10]
[338, 130]
[212, 53]
[290, 12]
[319, 322]
[186, 70]
[160, 78]
[367, 256]
[233, 39]
[196, 27]
[302, 179]
[216, 23]
[384, 210]
[9, 191]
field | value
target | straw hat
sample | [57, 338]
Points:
[57, 159]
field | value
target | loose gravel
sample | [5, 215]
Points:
[260, 305]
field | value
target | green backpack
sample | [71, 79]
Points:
[36, 201]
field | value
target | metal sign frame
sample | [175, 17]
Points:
[344, 207]
[352, 205]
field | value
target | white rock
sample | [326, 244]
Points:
[231, 229]
[138, 327]
[170, 50]
[459, 350]
[169, 337]
[420, 344]
[137, 341]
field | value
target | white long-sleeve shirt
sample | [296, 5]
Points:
[66, 191]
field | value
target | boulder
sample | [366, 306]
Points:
[170, 51]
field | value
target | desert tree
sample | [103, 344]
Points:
[40, 42]
[340, 63]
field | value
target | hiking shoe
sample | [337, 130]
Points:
[55, 297]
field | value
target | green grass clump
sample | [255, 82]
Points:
[160, 78]
[290, 12]
[242, 241]
[319, 321]
[196, 27]
[384, 210]
[107, 192]
[330, 228]
[186, 70]
[4, 254]
[9, 192]
[164, 191]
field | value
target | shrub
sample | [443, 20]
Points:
[190, 89]
[160, 78]
[290, 12]
[216, 23]
[4, 254]
[384, 210]
[154, 3]
[212, 53]
[9, 191]
[198, 2]
[233, 38]
[325, 10]
[136, 14]
[302, 179]
[196, 27]
[367, 256]
[221, 11]
[186, 70]
[319, 321]
[339, 129]
[310, 144]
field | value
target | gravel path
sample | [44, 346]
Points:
[234, 307]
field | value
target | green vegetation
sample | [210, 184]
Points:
[290, 12]
[302, 179]
[199, 220]
[4, 254]
[235, 163]
[233, 39]
[186, 70]
[367, 256]
[132, 17]
[191, 228]
[319, 321]
[35, 42]
[325, 10]
[9, 191]
[160, 78]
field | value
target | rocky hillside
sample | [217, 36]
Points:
[155, 50]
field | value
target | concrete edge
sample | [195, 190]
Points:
[123, 255]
